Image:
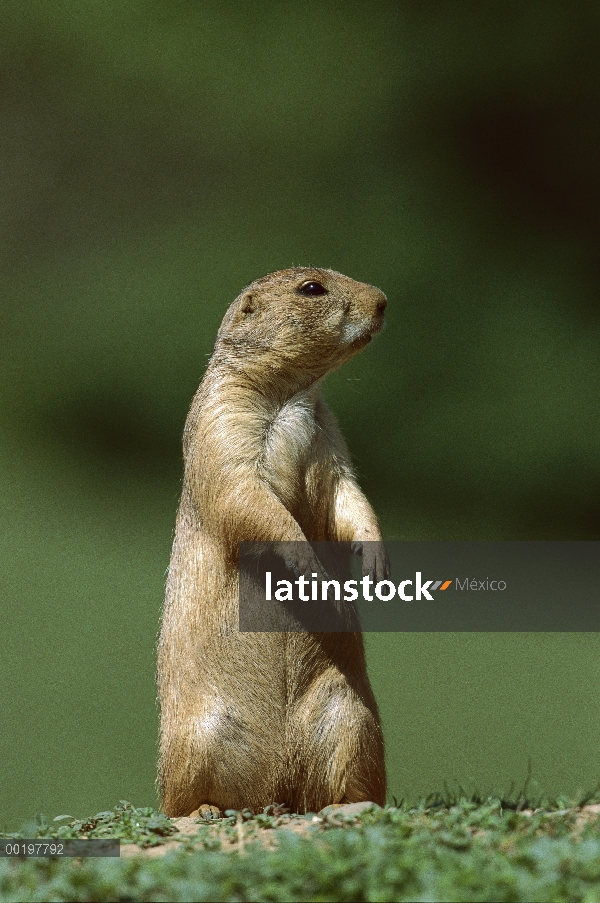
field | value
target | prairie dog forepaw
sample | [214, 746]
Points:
[375, 560]
[300, 558]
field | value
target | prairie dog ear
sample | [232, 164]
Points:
[248, 304]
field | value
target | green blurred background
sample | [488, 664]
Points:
[155, 157]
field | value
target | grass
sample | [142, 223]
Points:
[448, 848]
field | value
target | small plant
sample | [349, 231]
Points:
[145, 826]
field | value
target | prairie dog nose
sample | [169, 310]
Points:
[382, 303]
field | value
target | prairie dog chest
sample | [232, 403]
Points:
[290, 443]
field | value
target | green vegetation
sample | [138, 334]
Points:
[439, 851]
[129, 824]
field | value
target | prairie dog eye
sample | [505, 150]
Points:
[312, 288]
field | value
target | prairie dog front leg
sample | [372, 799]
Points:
[356, 522]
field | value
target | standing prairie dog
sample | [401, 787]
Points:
[248, 719]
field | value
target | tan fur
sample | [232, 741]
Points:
[248, 719]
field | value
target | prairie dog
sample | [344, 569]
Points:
[248, 719]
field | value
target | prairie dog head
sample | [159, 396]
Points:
[302, 320]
